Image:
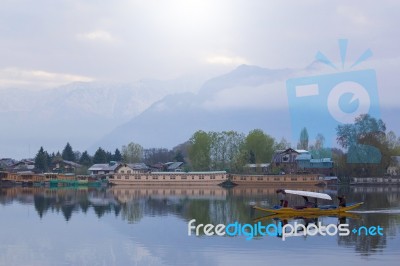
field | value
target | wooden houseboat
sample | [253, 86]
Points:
[278, 180]
[168, 178]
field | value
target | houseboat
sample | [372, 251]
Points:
[23, 178]
[278, 180]
[60, 180]
[168, 178]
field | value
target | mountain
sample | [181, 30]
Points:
[247, 98]
[166, 113]
[79, 113]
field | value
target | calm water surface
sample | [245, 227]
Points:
[148, 226]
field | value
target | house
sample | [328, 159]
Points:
[174, 166]
[257, 168]
[158, 167]
[23, 165]
[103, 168]
[305, 163]
[139, 167]
[285, 160]
[6, 162]
[63, 166]
[300, 161]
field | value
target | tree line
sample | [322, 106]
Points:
[366, 138]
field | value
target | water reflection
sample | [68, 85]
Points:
[211, 205]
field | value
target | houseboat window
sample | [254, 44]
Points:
[126, 177]
[129, 171]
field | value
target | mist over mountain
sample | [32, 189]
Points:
[79, 113]
[158, 113]
[249, 97]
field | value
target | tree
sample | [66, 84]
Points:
[183, 149]
[224, 147]
[85, 159]
[179, 157]
[68, 154]
[110, 156]
[100, 156]
[317, 150]
[199, 151]
[132, 153]
[41, 162]
[283, 144]
[303, 142]
[260, 146]
[157, 155]
[366, 144]
[117, 156]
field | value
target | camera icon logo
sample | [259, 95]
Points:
[321, 103]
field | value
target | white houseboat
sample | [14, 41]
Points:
[124, 175]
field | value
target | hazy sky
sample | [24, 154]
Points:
[45, 43]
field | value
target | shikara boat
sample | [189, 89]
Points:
[306, 216]
[316, 210]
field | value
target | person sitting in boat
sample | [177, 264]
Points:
[282, 197]
[342, 201]
[308, 204]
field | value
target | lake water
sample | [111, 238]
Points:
[149, 226]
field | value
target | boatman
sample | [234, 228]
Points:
[342, 201]
[282, 197]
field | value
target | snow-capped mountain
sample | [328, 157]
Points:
[239, 100]
[80, 113]
[247, 98]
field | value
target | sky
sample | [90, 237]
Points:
[47, 43]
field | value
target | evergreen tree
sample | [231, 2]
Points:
[41, 160]
[117, 156]
[68, 153]
[49, 160]
[85, 159]
[303, 142]
[100, 156]
[110, 156]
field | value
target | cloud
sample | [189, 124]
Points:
[97, 35]
[265, 96]
[226, 60]
[12, 77]
[353, 14]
